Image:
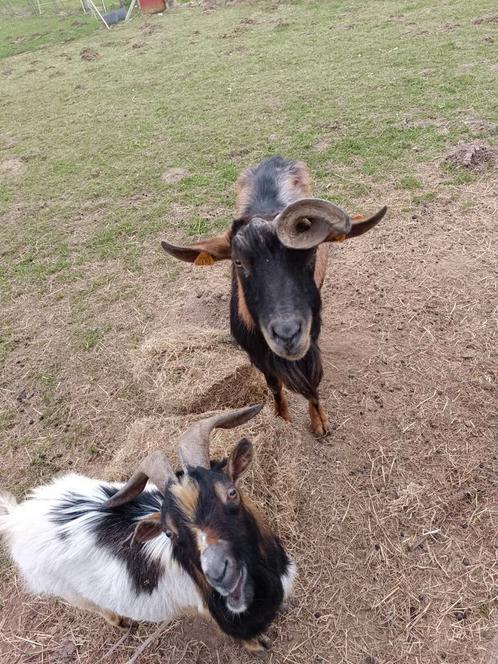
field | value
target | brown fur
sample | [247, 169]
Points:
[211, 536]
[319, 420]
[322, 259]
[218, 248]
[258, 644]
[188, 495]
[299, 182]
[244, 192]
[296, 184]
[242, 307]
[262, 526]
[205, 537]
[281, 403]
[202, 584]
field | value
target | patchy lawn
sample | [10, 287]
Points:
[20, 35]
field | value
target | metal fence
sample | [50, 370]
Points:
[28, 8]
[41, 7]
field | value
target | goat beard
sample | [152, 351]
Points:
[302, 376]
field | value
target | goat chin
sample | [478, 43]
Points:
[70, 563]
[297, 354]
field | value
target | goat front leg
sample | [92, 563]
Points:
[319, 420]
[111, 617]
[281, 404]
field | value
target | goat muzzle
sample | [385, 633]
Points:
[309, 222]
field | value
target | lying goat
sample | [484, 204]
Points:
[279, 257]
[150, 552]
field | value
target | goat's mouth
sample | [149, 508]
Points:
[293, 351]
[236, 599]
[239, 596]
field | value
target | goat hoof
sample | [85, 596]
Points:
[258, 645]
[284, 414]
[320, 428]
[319, 420]
[125, 623]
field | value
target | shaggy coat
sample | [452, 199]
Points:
[67, 543]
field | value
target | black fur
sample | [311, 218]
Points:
[277, 277]
[113, 529]
[266, 199]
[264, 556]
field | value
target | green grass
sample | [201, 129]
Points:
[409, 182]
[26, 34]
[213, 92]
[92, 337]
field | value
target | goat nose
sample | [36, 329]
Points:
[216, 563]
[286, 329]
[222, 571]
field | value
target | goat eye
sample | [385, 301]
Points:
[170, 534]
[232, 493]
[237, 263]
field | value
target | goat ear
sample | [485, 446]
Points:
[240, 459]
[147, 528]
[205, 252]
[361, 224]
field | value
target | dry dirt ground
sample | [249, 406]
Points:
[391, 519]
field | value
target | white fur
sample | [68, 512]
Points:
[77, 567]
[288, 579]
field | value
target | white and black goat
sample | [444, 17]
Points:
[278, 246]
[151, 551]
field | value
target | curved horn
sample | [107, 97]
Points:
[310, 221]
[361, 226]
[156, 468]
[193, 445]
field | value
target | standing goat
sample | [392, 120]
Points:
[279, 263]
[150, 552]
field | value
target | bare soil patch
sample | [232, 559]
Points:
[89, 54]
[7, 141]
[493, 18]
[477, 156]
[173, 175]
[12, 167]
[392, 519]
[322, 144]
[478, 125]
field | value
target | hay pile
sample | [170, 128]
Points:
[193, 373]
[274, 481]
[193, 369]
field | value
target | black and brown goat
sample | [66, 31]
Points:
[279, 255]
[162, 544]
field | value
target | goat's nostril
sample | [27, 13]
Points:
[286, 330]
[220, 578]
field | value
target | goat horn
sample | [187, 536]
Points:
[156, 468]
[361, 226]
[193, 445]
[310, 221]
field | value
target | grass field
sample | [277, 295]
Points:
[112, 140]
[19, 35]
